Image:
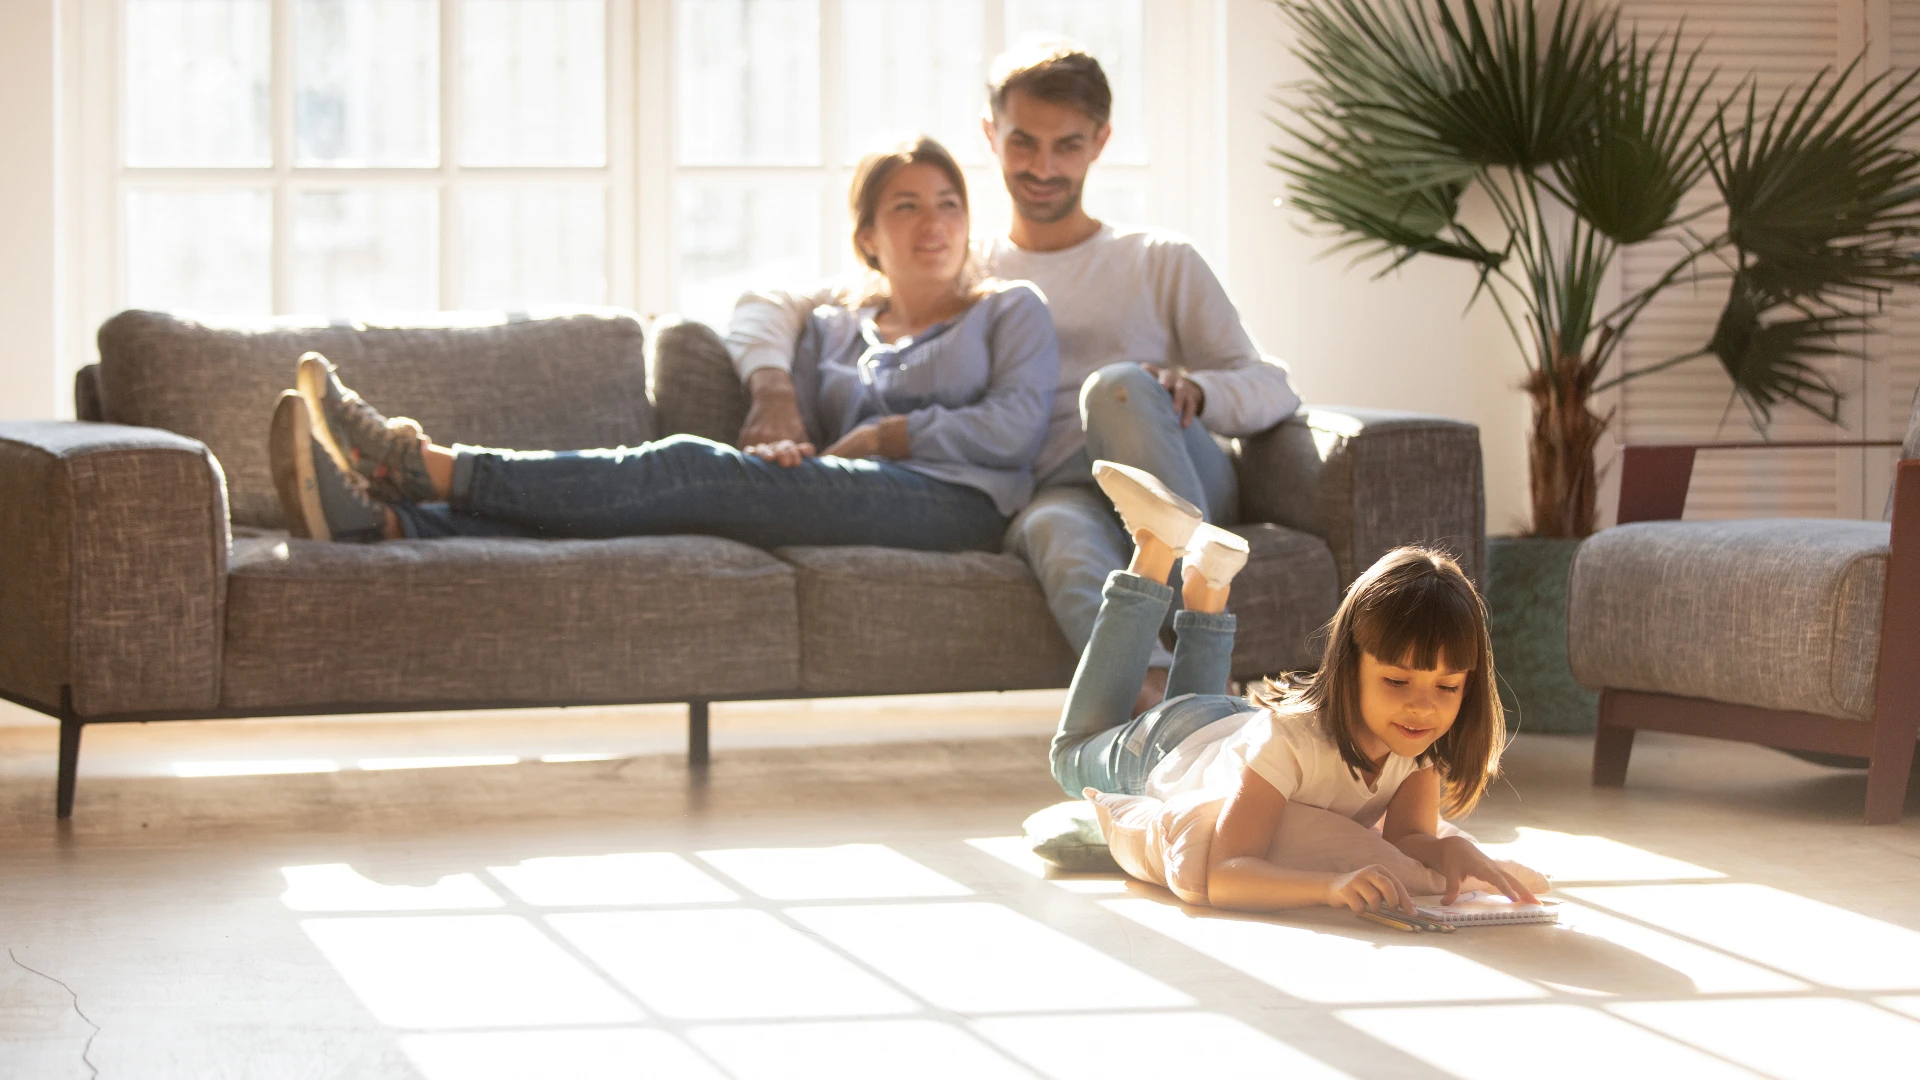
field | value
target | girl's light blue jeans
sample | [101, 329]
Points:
[686, 484]
[1100, 743]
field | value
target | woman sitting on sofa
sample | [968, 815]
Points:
[927, 393]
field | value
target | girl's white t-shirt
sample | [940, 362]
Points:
[1293, 752]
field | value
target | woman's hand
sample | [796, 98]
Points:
[1460, 859]
[863, 441]
[786, 452]
[1370, 888]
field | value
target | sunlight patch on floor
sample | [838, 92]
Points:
[424, 972]
[727, 964]
[652, 877]
[265, 767]
[985, 958]
[1182, 1044]
[1565, 1042]
[846, 872]
[613, 1054]
[339, 887]
[1815, 941]
[464, 761]
[1318, 966]
[1709, 970]
[1568, 857]
[860, 1050]
[1798, 1038]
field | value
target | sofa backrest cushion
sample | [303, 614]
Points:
[565, 381]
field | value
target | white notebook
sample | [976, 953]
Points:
[1485, 909]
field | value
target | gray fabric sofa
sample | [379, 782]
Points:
[1802, 634]
[143, 575]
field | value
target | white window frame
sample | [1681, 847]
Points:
[1185, 115]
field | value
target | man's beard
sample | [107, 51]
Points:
[1043, 213]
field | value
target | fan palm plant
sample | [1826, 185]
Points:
[1586, 139]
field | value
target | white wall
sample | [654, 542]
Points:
[29, 261]
[1401, 342]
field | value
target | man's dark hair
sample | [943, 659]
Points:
[1052, 71]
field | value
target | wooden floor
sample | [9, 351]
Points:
[859, 908]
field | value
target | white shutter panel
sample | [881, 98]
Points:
[1899, 348]
[1782, 43]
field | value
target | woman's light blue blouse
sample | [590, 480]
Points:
[975, 389]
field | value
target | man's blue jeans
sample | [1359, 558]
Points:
[686, 484]
[1098, 745]
[1069, 534]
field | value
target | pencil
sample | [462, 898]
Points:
[1390, 920]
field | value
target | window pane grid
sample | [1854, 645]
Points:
[348, 192]
[886, 69]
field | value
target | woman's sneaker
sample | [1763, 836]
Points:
[1216, 553]
[380, 457]
[1146, 503]
[318, 502]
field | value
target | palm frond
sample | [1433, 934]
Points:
[1644, 150]
[1770, 359]
[1821, 198]
[1490, 87]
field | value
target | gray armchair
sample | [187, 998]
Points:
[1793, 633]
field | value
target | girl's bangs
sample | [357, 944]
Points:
[1421, 624]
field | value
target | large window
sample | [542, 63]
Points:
[373, 158]
[363, 157]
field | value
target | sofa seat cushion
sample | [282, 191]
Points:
[1287, 592]
[882, 620]
[1780, 614]
[876, 620]
[506, 621]
[565, 382]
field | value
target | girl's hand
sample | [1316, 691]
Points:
[1370, 888]
[785, 453]
[1459, 859]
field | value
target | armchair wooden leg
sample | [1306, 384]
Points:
[1887, 777]
[1612, 746]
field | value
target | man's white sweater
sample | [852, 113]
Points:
[1122, 294]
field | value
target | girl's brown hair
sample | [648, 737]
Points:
[863, 203]
[1417, 609]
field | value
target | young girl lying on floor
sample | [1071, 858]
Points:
[1401, 716]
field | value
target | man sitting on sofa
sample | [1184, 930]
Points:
[1149, 343]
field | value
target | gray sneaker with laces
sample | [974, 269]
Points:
[318, 501]
[381, 457]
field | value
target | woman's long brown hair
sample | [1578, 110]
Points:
[1413, 608]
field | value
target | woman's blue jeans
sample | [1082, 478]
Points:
[686, 484]
[1100, 744]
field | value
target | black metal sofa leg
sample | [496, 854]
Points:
[697, 748]
[70, 726]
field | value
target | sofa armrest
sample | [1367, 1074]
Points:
[113, 567]
[695, 389]
[1367, 481]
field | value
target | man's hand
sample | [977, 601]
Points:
[863, 441]
[785, 453]
[1189, 400]
[1460, 859]
[774, 415]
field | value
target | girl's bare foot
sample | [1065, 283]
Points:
[1198, 594]
[1152, 557]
